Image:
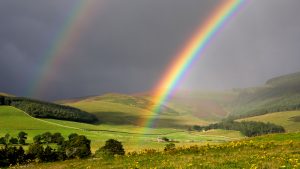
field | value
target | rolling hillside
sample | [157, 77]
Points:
[13, 120]
[285, 119]
[278, 94]
[120, 109]
[41, 109]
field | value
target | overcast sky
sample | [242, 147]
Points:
[125, 45]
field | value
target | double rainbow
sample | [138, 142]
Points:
[191, 52]
[62, 46]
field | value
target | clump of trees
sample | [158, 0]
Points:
[110, 149]
[77, 146]
[248, 128]
[21, 139]
[41, 109]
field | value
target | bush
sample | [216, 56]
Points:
[35, 152]
[169, 147]
[112, 147]
[78, 146]
[22, 137]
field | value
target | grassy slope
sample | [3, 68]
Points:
[119, 109]
[5, 94]
[13, 121]
[277, 94]
[281, 118]
[204, 105]
[271, 151]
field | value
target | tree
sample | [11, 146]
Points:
[77, 146]
[47, 137]
[13, 140]
[49, 155]
[35, 151]
[113, 146]
[1, 100]
[6, 138]
[2, 140]
[57, 138]
[37, 139]
[73, 135]
[22, 137]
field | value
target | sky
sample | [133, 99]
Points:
[126, 46]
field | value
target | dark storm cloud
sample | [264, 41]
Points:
[127, 44]
[260, 43]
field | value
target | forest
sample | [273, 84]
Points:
[40, 109]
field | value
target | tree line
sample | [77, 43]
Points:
[41, 150]
[41, 109]
[266, 110]
[247, 128]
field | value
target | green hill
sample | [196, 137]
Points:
[41, 109]
[278, 94]
[6, 94]
[120, 109]
[285, 119]
[13, 120]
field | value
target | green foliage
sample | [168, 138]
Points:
[279, 94]
[57, 138]
[11, 156]
[22, 137]
[113, 147]
[78, 146]
[165, 139]
[169, 147]
[35, 151]
[13, 140]
[41, 109]
[248, 128]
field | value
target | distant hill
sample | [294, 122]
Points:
[41, 109]
[121, 109]
[278, 94]
[203, 104]
[285, 119]
[6, 94]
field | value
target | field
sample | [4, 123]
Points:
[271, 151]
[134, 138]
[284, 119]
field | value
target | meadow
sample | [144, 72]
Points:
[134, 138]
[271, 151]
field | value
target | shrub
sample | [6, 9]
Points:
[78, 146]
[113, 147]
[169, 147]
[22, 137]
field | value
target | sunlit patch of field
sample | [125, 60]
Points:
[122, 112]
[260, 152]
[133, 137]
[281, 118]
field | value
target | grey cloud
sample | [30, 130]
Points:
[126, 45]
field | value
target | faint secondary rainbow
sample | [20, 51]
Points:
[62, 45]
[193, 49]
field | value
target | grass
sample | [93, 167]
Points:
[112, 111]
[134, 138]
[281, 118]
[260, 152]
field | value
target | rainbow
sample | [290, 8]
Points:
[190, 53]
[62, 45]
